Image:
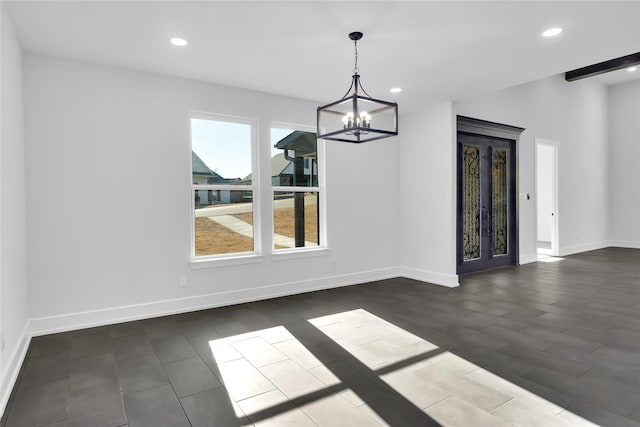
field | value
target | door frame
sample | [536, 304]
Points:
[554, 145]
[484, 128]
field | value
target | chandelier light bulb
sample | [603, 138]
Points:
[366, 119]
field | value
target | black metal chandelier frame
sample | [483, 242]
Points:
[357, 125]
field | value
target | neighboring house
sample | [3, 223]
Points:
[281, 170]
[203, 175]
[297, 145]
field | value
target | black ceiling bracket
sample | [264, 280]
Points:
[603, 67]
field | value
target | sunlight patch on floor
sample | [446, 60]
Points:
[549, 258]
[448, 388]
[273, 379]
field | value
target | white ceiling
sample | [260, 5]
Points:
[613, 78]
[434, 50]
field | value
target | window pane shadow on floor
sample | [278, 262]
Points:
[267, 372]
[356, 368]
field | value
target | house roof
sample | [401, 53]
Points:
[198, 167]
[278, 164]
[303, 143]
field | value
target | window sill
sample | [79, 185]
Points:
[287, 254]
[197, 264]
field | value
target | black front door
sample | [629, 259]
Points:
[486, 223]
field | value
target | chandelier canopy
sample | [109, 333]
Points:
[357, 117]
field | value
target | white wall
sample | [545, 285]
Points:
[428, 195]
[123, 136]
[624, 164]
[13, 261]
[575, 114]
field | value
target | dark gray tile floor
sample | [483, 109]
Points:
[546, 344]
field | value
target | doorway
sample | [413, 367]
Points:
[546, 197]
[487, 227]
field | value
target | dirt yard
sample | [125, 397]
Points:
[213, 238]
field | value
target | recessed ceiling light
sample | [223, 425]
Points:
[551, 32]
[177, 41]
[395, 90]
[632, 68]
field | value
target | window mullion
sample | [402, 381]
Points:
[296, 189]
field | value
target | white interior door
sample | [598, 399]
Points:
[546, 197]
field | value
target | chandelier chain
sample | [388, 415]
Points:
[355, 48]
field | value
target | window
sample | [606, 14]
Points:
[222, 167]
[226, 192]
[296, 189]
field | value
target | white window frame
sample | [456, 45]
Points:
[233, 258]
[322, 248]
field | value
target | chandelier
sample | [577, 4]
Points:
[357, 117]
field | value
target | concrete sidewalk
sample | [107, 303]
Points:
[236, 208]
[246, 229]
